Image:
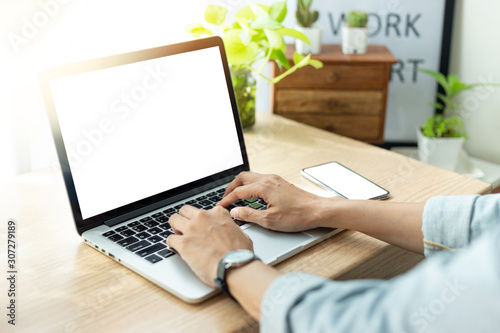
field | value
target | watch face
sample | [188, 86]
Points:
[239, 256]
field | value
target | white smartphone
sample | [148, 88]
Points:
[341, 180]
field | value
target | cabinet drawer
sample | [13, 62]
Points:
[329, 102]
[366, 128]
[336, 77]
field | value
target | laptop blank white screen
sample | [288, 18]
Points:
[136, 130]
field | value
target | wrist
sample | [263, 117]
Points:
[231, 261]
[249, 283]
[329, 212]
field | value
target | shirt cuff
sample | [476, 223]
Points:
[286, 291]
[447, 222]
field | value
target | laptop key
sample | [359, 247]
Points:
[165, 253]
[155, 230]
[152, 249]
[115, 237]
[157, 214]
[127, 241]
[164, 226]
[143, 235]
[127, 233]
[255, 205]
[155, 239]
[151, 224]
[214, 199]
[197, 206]
[140, 228]
[120, 229]
[191, 202]
[154, 258]
[133, 224]
[205, 202]
[230, 207]
[147, 218]
[162, 218]
[109, 233]
[138, 246]
[166, 233]
[169, 211]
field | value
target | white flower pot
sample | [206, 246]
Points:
[354, 40]
[440, 152]
[314, 35]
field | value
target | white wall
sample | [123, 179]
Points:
[475, 58]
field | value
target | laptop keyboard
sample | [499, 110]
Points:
[146, 236]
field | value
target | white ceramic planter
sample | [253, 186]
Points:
[314, 34]
[440, 152]
[354, 40]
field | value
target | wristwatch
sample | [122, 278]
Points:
[233, 259]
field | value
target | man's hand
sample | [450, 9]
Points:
[203, 237]
[288, 207]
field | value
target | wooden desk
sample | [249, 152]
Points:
[65, 286]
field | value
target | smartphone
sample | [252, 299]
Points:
[341, 180]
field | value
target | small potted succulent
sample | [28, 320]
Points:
[442, 136]
[355, 33]
[254, 38]
[305, 20]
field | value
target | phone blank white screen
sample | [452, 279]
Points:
[345, 182]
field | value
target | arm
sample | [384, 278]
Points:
[452, 223]
[447, 292]
[292, 209]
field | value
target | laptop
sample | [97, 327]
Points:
[138, 135]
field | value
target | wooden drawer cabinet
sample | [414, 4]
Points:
[347, 96]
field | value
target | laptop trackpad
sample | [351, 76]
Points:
[272, 246]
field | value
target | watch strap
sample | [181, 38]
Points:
[220, 281]
[222, 269]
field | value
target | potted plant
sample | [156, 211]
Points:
[305, 19]
[254, 38]
[442, 136]
[355, 33]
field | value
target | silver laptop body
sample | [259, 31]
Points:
[142, 133]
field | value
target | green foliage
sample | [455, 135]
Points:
[439, 126]
[448, 124]
[306, 17]
[357, 19]
[255, 35]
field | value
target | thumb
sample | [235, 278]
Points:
[247, 214]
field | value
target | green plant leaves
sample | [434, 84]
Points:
[274, 38]
[197, 30]
[280, 58]
[439, 126]
[295, 34]
[237, 51]
[278, 11]
[215, 14]
[255, 36]
[265, 22]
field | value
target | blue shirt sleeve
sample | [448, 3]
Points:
[459, 291]
[451, 223]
